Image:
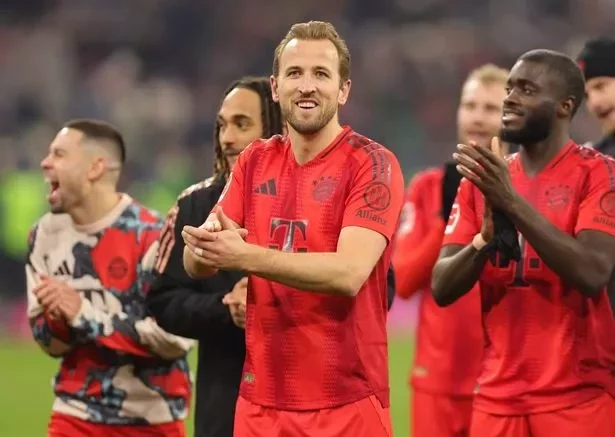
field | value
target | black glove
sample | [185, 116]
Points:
[504, 240]
[450, 183]
[390, 287]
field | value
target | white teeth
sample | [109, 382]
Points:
[306, 105]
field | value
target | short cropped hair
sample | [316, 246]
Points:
[101, 131]
[316, 31]
[568, 71]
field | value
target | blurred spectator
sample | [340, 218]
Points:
[155, 68]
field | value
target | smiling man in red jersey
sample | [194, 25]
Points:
[449, 343]
[548, 325]
[319, 207]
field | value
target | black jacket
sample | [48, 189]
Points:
[607, 146]
[194, 309]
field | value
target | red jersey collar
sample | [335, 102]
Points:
[551, 164]
[323, 153]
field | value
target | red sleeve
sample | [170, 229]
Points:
[52, 335]
[413, 270]
[376, 195]
[167, 240]
[412, 212]
[232, 200]
[58, 327]
[419, 237]
[597, 209]
[462, 223]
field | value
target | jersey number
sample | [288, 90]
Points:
[288, 235]
[533, 263]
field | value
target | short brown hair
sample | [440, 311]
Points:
[489, 74]
[100, 130]
[315, 30]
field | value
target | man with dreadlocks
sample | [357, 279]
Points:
[212, 310]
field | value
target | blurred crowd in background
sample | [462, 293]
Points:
[157, 70]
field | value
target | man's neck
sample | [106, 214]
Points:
[95, 206]
[307, 147]
[535, 157]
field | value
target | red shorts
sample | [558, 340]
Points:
[364, 418]
[440, 415]
[61, 425]
[595, 418]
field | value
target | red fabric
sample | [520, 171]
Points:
[61, 425]
[330, 349]
[488, 425]
[418, 240]
[449, 340]
[363, 418]
[440, 415]
[595, 417]
[547, 346]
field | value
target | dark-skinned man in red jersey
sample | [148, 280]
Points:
[318, 209]
[449, 340]
[548, 326]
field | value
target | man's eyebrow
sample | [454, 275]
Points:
[235, 117]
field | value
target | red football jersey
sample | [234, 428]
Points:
[308, 350]
[547, 346]
[449, 343]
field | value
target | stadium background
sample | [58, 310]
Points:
[157, 69]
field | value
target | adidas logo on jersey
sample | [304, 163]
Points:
[267, 188]
[62, 270]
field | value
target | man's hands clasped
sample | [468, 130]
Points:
[236, 302]
[57, 298]
[488, 170]
[218, 243]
